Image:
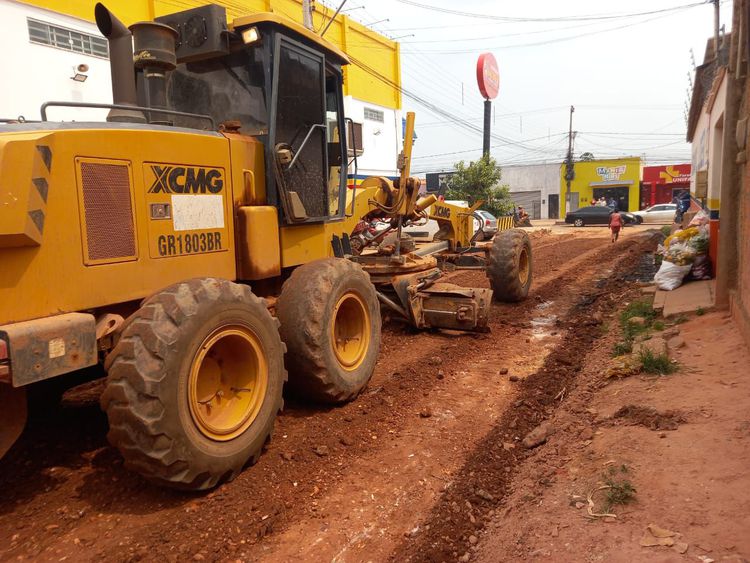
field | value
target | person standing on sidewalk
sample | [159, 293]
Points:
[615, 222]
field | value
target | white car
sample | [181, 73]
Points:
[661, 213]
[427, 229]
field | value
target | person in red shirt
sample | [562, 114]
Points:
[615, 222]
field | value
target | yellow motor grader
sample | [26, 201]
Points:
[222, 165]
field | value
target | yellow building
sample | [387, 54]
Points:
[613, 178]
[359, 42]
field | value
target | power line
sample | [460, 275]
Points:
[547, 19]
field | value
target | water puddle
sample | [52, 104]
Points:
[543, 326]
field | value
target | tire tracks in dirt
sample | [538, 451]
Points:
[83, 503]
[477, 491]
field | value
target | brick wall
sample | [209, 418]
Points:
[740, 300]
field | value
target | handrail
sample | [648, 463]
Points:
[45, 105]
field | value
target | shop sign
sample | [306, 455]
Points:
[610, 173]
[488, 76]
[671, 175]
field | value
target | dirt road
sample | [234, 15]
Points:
[388, 476]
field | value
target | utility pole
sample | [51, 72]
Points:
[569, 172]
[307, 20]
[716, 28]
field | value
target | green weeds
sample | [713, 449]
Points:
[656, 363]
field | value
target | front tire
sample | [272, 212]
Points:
[195, 383]
[578, 223]
[510, 268]
[330, 321]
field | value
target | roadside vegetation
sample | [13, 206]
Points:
[638, 319]
[480, 180]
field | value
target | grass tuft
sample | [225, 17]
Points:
[656, 363]
[621, 490]
[638, 309]
[700, 311]
[657, 325]
[622, 348]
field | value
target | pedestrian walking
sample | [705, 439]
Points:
[615, 223]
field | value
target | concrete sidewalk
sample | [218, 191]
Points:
[687, 298]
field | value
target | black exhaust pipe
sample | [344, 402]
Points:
[120, 64]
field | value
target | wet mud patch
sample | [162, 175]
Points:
[649, 417]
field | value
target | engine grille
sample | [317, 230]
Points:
[110, 234]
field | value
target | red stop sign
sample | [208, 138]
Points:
[488, 76]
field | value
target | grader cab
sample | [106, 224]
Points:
[134, 243]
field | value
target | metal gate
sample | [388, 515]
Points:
[531, 202]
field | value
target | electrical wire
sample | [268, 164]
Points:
[516, 19]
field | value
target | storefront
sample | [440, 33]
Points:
[613, 179]
[661, 184]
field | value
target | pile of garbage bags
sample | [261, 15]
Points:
[685, 255]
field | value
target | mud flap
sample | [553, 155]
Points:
[12, 415]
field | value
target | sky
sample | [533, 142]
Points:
[628, 76]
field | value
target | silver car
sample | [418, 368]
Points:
[488, 226]
[661, 213]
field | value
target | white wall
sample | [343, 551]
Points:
[382, 142]
[33, 74]
[544, 177]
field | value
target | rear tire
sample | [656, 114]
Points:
[510, 267]
[578, 223]
[330, 321]
[195, 384]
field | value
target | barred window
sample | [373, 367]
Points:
[67, 39]
[374, 115]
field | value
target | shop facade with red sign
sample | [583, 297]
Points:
[660, 184]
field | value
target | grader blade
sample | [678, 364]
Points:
[445, 305]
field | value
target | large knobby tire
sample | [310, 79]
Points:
[510, 268]
[195, 383]
[330, 322]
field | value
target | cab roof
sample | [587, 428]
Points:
[280, 21]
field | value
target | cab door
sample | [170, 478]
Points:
[310, 167]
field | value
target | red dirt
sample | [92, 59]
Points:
[335, 483]
[692, 481]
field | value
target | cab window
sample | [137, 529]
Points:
[301, 126]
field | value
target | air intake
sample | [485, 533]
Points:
[108, 212]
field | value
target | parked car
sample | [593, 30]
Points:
[597, 215]
[427, 230]
[661, 213]
[488, 227]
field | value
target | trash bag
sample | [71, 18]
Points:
[701, 268]
[670, 275]
[701, 218]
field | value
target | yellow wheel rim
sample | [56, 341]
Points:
[228, 380]
[523, 266]
[350, 331]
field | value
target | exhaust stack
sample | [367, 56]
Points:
[121, 65]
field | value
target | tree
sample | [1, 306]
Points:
[480, 179]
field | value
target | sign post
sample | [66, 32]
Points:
[488, 79]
